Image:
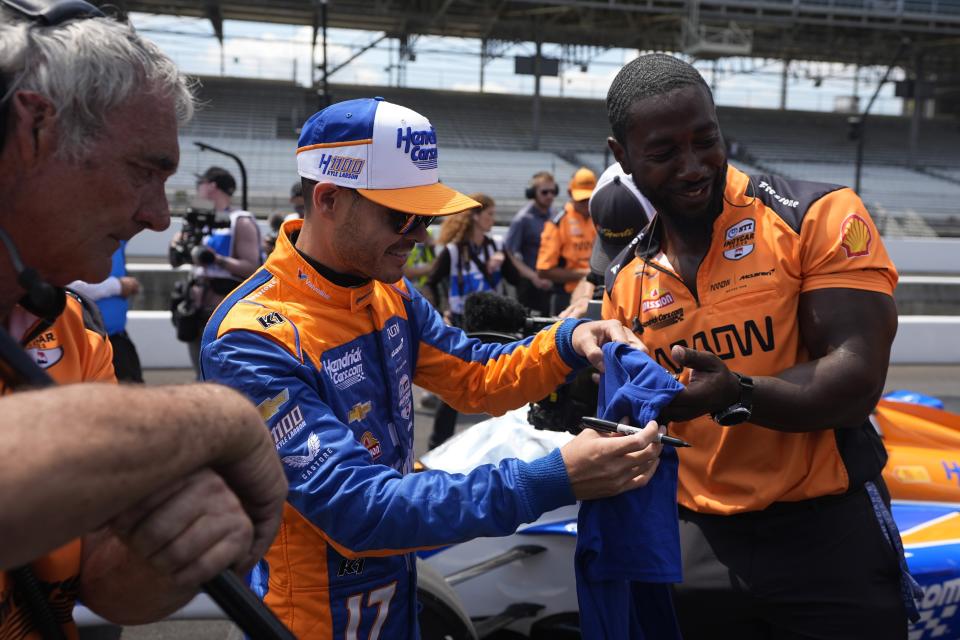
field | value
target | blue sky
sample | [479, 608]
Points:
[283, 52]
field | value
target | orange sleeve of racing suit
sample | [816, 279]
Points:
[476, 377]
[841, 248]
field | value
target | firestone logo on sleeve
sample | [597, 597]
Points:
[345, 370]
[855, 236]
[738, 240]
[420, 146]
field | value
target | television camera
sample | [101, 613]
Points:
[189, 248]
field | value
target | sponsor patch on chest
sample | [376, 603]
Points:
[345, 369]
[738, 239]
[657, 300]
[371, 443]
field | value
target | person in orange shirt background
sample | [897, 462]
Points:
[567, 240]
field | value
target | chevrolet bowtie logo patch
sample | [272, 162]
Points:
[271, 406]
[359, 411]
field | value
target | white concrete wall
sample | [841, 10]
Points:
[920, 340]
[925, 255]
[927, 340]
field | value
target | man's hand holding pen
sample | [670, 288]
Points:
[599, 466]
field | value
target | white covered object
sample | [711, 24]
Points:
[490, 441]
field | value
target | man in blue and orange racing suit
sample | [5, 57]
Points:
[329, 340]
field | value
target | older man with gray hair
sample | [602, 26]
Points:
[129, 498]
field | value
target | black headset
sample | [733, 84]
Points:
[41, 298]
[530, 192]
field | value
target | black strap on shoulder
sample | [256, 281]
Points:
[18, 370]
[92, 318]
[481, 266]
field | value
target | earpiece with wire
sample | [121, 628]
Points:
[41, 298]
[637, 325]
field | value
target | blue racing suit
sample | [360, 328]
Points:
[331, 369]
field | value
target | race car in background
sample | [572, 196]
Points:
[523, 586]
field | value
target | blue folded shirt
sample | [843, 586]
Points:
[628, 546]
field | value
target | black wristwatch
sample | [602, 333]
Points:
[740, 410]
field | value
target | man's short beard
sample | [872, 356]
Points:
[699, 222]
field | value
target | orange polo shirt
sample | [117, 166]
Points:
[566, 241]
[774, 240]
[69, 352]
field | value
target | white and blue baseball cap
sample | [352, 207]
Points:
[386, 152]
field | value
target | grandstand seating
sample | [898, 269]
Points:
[486, 141]
[903, 201]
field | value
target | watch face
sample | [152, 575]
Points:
[733, 415]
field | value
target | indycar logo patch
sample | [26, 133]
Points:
[738, 240]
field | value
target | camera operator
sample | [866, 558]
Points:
[127, 497]
[223, 255]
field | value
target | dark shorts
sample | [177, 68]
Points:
[126, 362]
[814, 569]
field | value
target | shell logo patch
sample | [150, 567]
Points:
[911, 474]
[855, 236]
[359, 411]
[371, 443]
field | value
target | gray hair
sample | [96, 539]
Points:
[87, 68]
